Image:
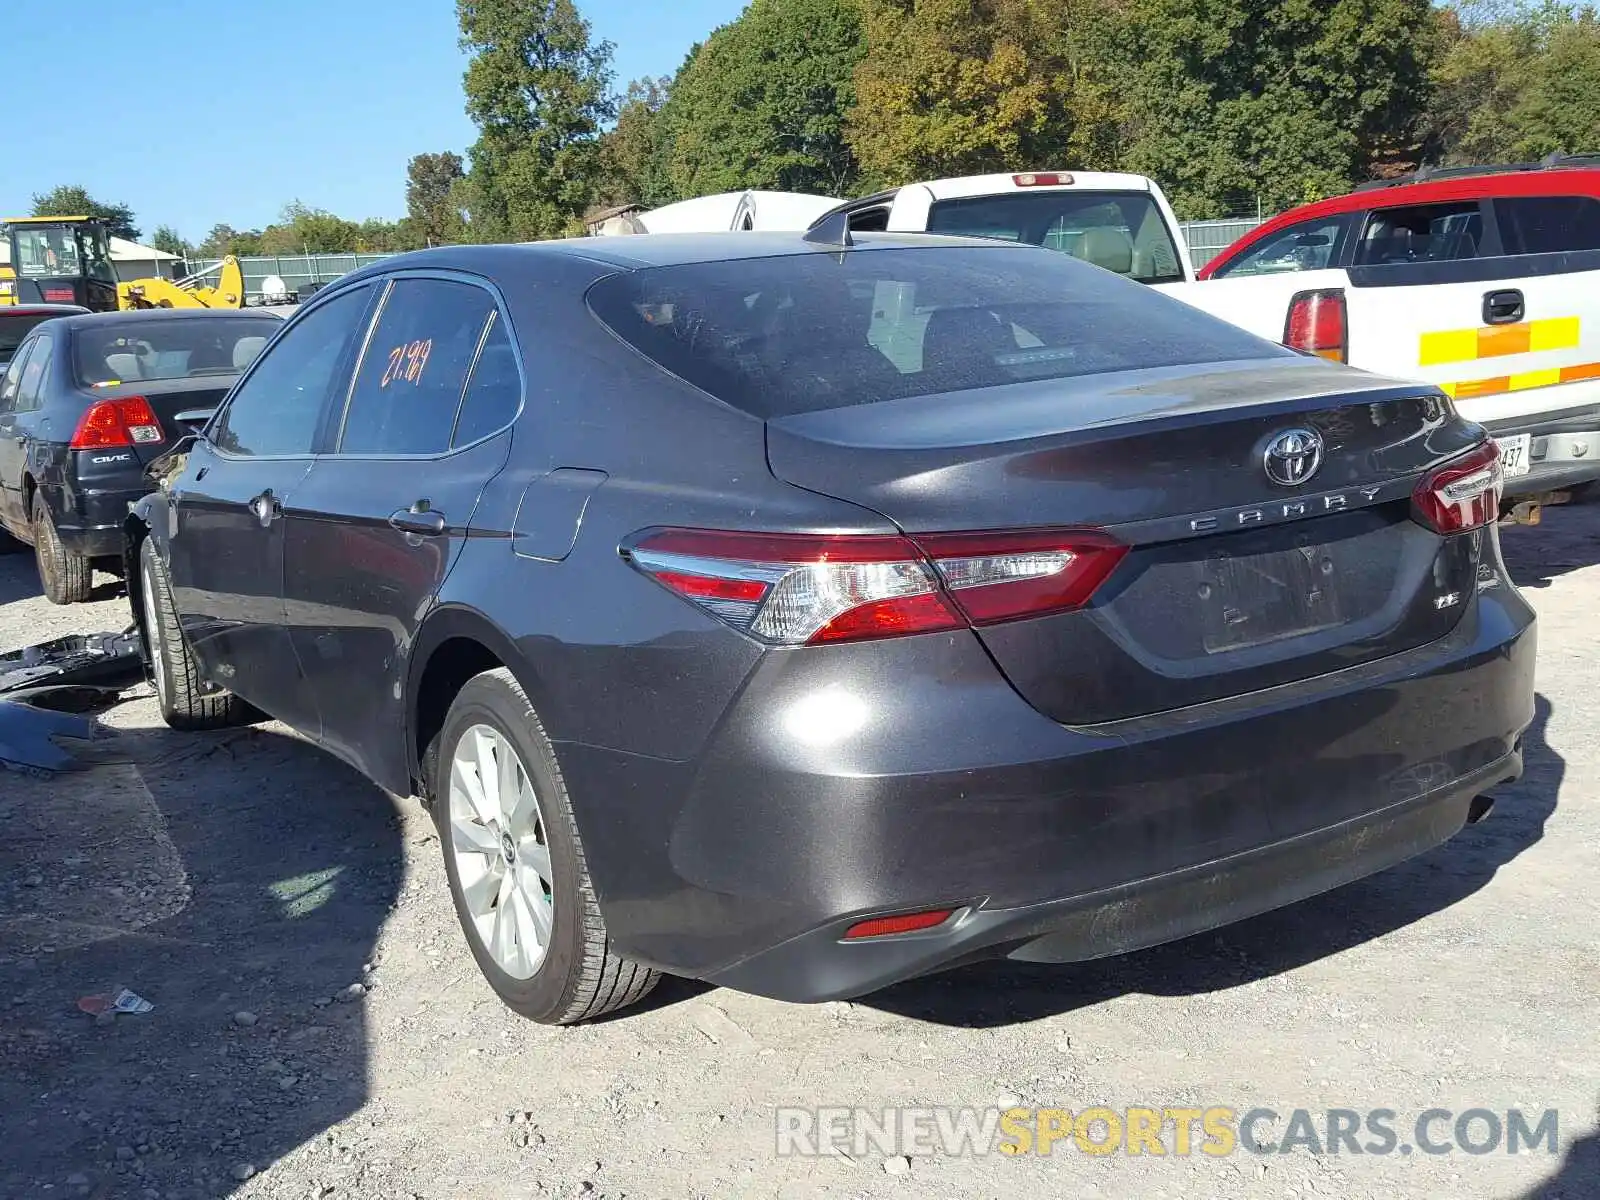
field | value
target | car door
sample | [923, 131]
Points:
[226, 546]
[12, 441]
[373, 531]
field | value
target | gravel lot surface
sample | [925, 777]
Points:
[319, 1028]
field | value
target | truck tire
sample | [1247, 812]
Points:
[183, 704]
[526, 904]
[68, 578]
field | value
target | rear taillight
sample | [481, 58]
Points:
[126, 421]
[901, 923]
[1463, 494]
[1317, 325]
[799, 589]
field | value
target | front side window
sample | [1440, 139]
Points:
[409, 386]
[1122, 232]
[277, 409]
[1548, 224]
[1421, 233]
[95, 252]
[799, 333]
[158, 348]
[47, 250]
[1308, 246]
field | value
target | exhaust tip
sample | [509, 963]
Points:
[1480, 808]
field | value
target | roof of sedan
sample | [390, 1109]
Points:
[638, 251]
[79, 318]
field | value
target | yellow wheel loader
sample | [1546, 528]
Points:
[67, 260]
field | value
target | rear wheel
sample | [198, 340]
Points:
[516, 865]
[184, 705]
[68, 578]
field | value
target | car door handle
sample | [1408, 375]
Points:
[266, 507]
[1502, 308]
[419, 519]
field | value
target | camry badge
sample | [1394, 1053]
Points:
[1293, 457]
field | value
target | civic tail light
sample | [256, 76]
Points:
[1464, 493]
[803, 589]
[1317, 324]
[126, 421]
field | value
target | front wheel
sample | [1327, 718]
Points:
[183, 702]
[515, 863]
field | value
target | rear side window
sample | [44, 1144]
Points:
[30, 387]
[799, 333]
[11, 377]
[1421, 233]
[494, 392]
[278, 408]
[1548, 224]
[412, 375]
[1121, 232]
[1308, 246]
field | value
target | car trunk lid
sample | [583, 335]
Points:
[1233, 581]
[167, 399]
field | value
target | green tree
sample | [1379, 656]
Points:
[953, 87]
[634, 153]
[70, 200]
[762, 102]
[430, 206]
[539, 89]
[303, 230]
[169, 241]
[225, 239]
[1235, 103]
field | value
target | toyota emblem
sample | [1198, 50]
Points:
[1293, 457]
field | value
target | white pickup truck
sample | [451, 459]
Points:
[1483, 281]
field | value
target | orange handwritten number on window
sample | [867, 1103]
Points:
[407, 362]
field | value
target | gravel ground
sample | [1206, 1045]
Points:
[319, 1029]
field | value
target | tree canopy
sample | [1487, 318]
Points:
[762, 102]
[70, 200]
[539, 89]
[432, 181]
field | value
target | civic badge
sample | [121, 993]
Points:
[1293, 457]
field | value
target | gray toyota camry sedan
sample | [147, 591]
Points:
[809, 614]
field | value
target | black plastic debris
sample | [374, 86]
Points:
[47, 692]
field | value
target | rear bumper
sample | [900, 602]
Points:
[91, 523]
[858, 781]
[1564, 450]
[821, 966]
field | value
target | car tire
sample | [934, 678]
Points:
[574, 975]
[183, 703]
[68, 578]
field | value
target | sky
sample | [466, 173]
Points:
[199, 112]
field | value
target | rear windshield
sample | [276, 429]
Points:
[145, 351]
[804, 332]
[1117, 231]
[14, 327]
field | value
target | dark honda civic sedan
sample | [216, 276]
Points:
[809, 615]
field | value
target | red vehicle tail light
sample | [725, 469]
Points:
[903, 923]
[107, 424]
[804, 589]
[1317, 324]
[1042, 179]
[1464, 493]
